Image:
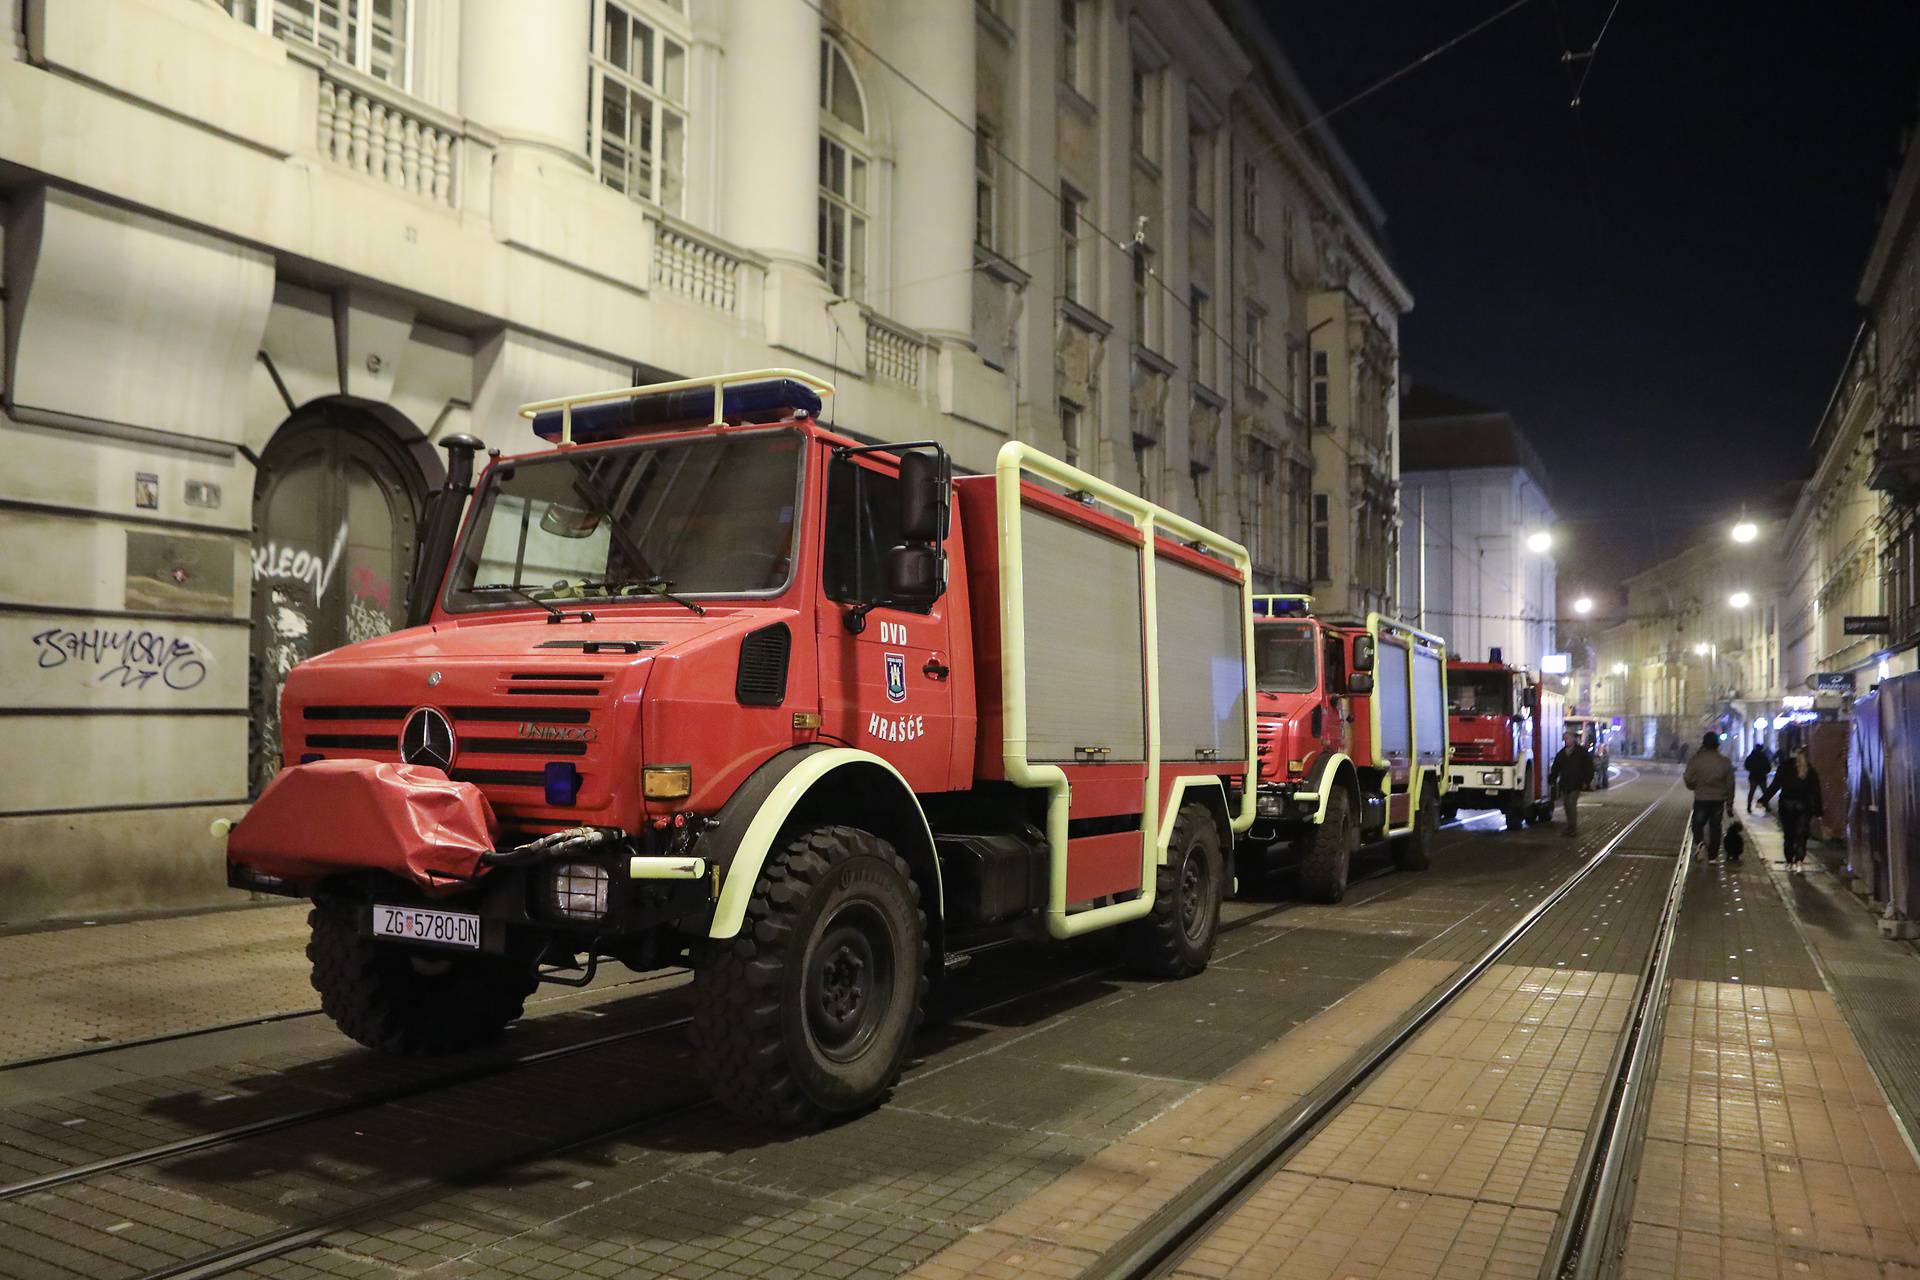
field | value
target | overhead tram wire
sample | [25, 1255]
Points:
[1126, 245]
[1593, 55]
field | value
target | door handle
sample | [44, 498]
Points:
[935, 669]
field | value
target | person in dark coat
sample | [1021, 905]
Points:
[1758, 765]
[1572, 773]
[1709, 776]
[1798, 787]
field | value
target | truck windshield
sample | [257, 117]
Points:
[1479, 693]
[711, 516]
[1283, 657]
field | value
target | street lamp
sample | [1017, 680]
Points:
[1619, 668]
[1745, 531]
[1583, 606]
[1700, 650]
[1740, 599]
[1540, 542]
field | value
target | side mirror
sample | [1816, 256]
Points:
[923, 499]
[1360, 683]
[913, 576]
[569, 522]
[1530, 697]
[1363, 654]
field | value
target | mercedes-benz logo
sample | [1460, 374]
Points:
[427, 738]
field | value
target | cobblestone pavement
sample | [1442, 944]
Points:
[1037, 1073]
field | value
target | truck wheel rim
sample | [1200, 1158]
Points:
[849, 982]
[1193, 895]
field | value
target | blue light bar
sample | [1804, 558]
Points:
[1278, 607]
[769, 401]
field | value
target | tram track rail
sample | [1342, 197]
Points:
[1158, 1244]
[226, 1260]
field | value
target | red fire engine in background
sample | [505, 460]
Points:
[1504, 726]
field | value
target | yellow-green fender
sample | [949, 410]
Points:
[843, 785]
[1210, 792]
[1327, 767]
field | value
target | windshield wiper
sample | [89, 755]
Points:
[654, 586]
[554, 612]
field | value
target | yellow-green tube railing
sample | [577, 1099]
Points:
[1148, 518]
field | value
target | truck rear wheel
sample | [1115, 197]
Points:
[807, 1015]
[1414, 851]
[1175, 940]
[1330, 849]
[409, 1000]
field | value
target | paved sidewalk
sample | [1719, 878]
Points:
[71, 988]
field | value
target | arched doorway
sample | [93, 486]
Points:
[336, 513]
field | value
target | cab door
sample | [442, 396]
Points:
[889, 687]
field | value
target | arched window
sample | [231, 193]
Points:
[845, 179]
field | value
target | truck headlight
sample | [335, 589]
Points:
[580, 890]
[1267, 804]
[1490, 777]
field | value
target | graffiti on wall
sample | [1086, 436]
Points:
[127, 657]
[284, 562]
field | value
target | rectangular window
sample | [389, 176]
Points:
[637, 111]
[1296, 378]
[1201, 144]
[1070, 423]
[1145, 332]
[1071, 52]
[1264, 516]
[1321, 390]
[1255, 362]
[843, 218]
[1145, 116]
[863, 524]
[1250, 198]
[1299, 519]
[985, 188]
[1200, 334]
[372, 36]
[1286, 241]
[1322, 569]
[1072, 274]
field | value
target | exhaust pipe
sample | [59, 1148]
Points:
[441, 526]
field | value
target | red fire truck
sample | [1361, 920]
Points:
[707, 683]
[1352, 739]
[1504, 727]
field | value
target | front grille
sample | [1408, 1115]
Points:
[355, 713]
[356, 741]
[516, 715]
[520, 747]
[500, 777]
[761, 678]
[1469, 751]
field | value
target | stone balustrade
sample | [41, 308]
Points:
[365, 127]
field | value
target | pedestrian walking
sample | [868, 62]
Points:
[1798, 787]
[1709, 776]
[1758, 764]
[1572, 773]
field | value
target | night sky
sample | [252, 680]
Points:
[1660, 290]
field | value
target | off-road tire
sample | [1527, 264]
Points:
[832, 903]
[1414, 851]
[1175, 939]
[410, 1000]
[1329, 852]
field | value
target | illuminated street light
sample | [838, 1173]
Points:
[1700, 650]
[1619, 668]
[1583, 606]
[1740, 599]
[1760, 725]
[1745, 531]
[1539, 542]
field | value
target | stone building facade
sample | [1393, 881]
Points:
[259, 255]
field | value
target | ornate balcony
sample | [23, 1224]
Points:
[1896, 462]
[372, 129]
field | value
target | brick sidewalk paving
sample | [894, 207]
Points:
[71, 988]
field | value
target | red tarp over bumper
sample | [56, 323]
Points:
[319, 819]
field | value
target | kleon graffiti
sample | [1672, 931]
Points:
[130, 657]
[273, 560]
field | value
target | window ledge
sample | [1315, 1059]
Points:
[1077, 102]
[1200, 218]
[1208, 396]
[1081, 318]
[999, 267]
[1254, 393]
[993, 24]
[1153, 360]
[1147, 165]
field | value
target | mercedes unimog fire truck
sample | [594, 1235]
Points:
[1352, 738]
[1504, 726]
[708, 683]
